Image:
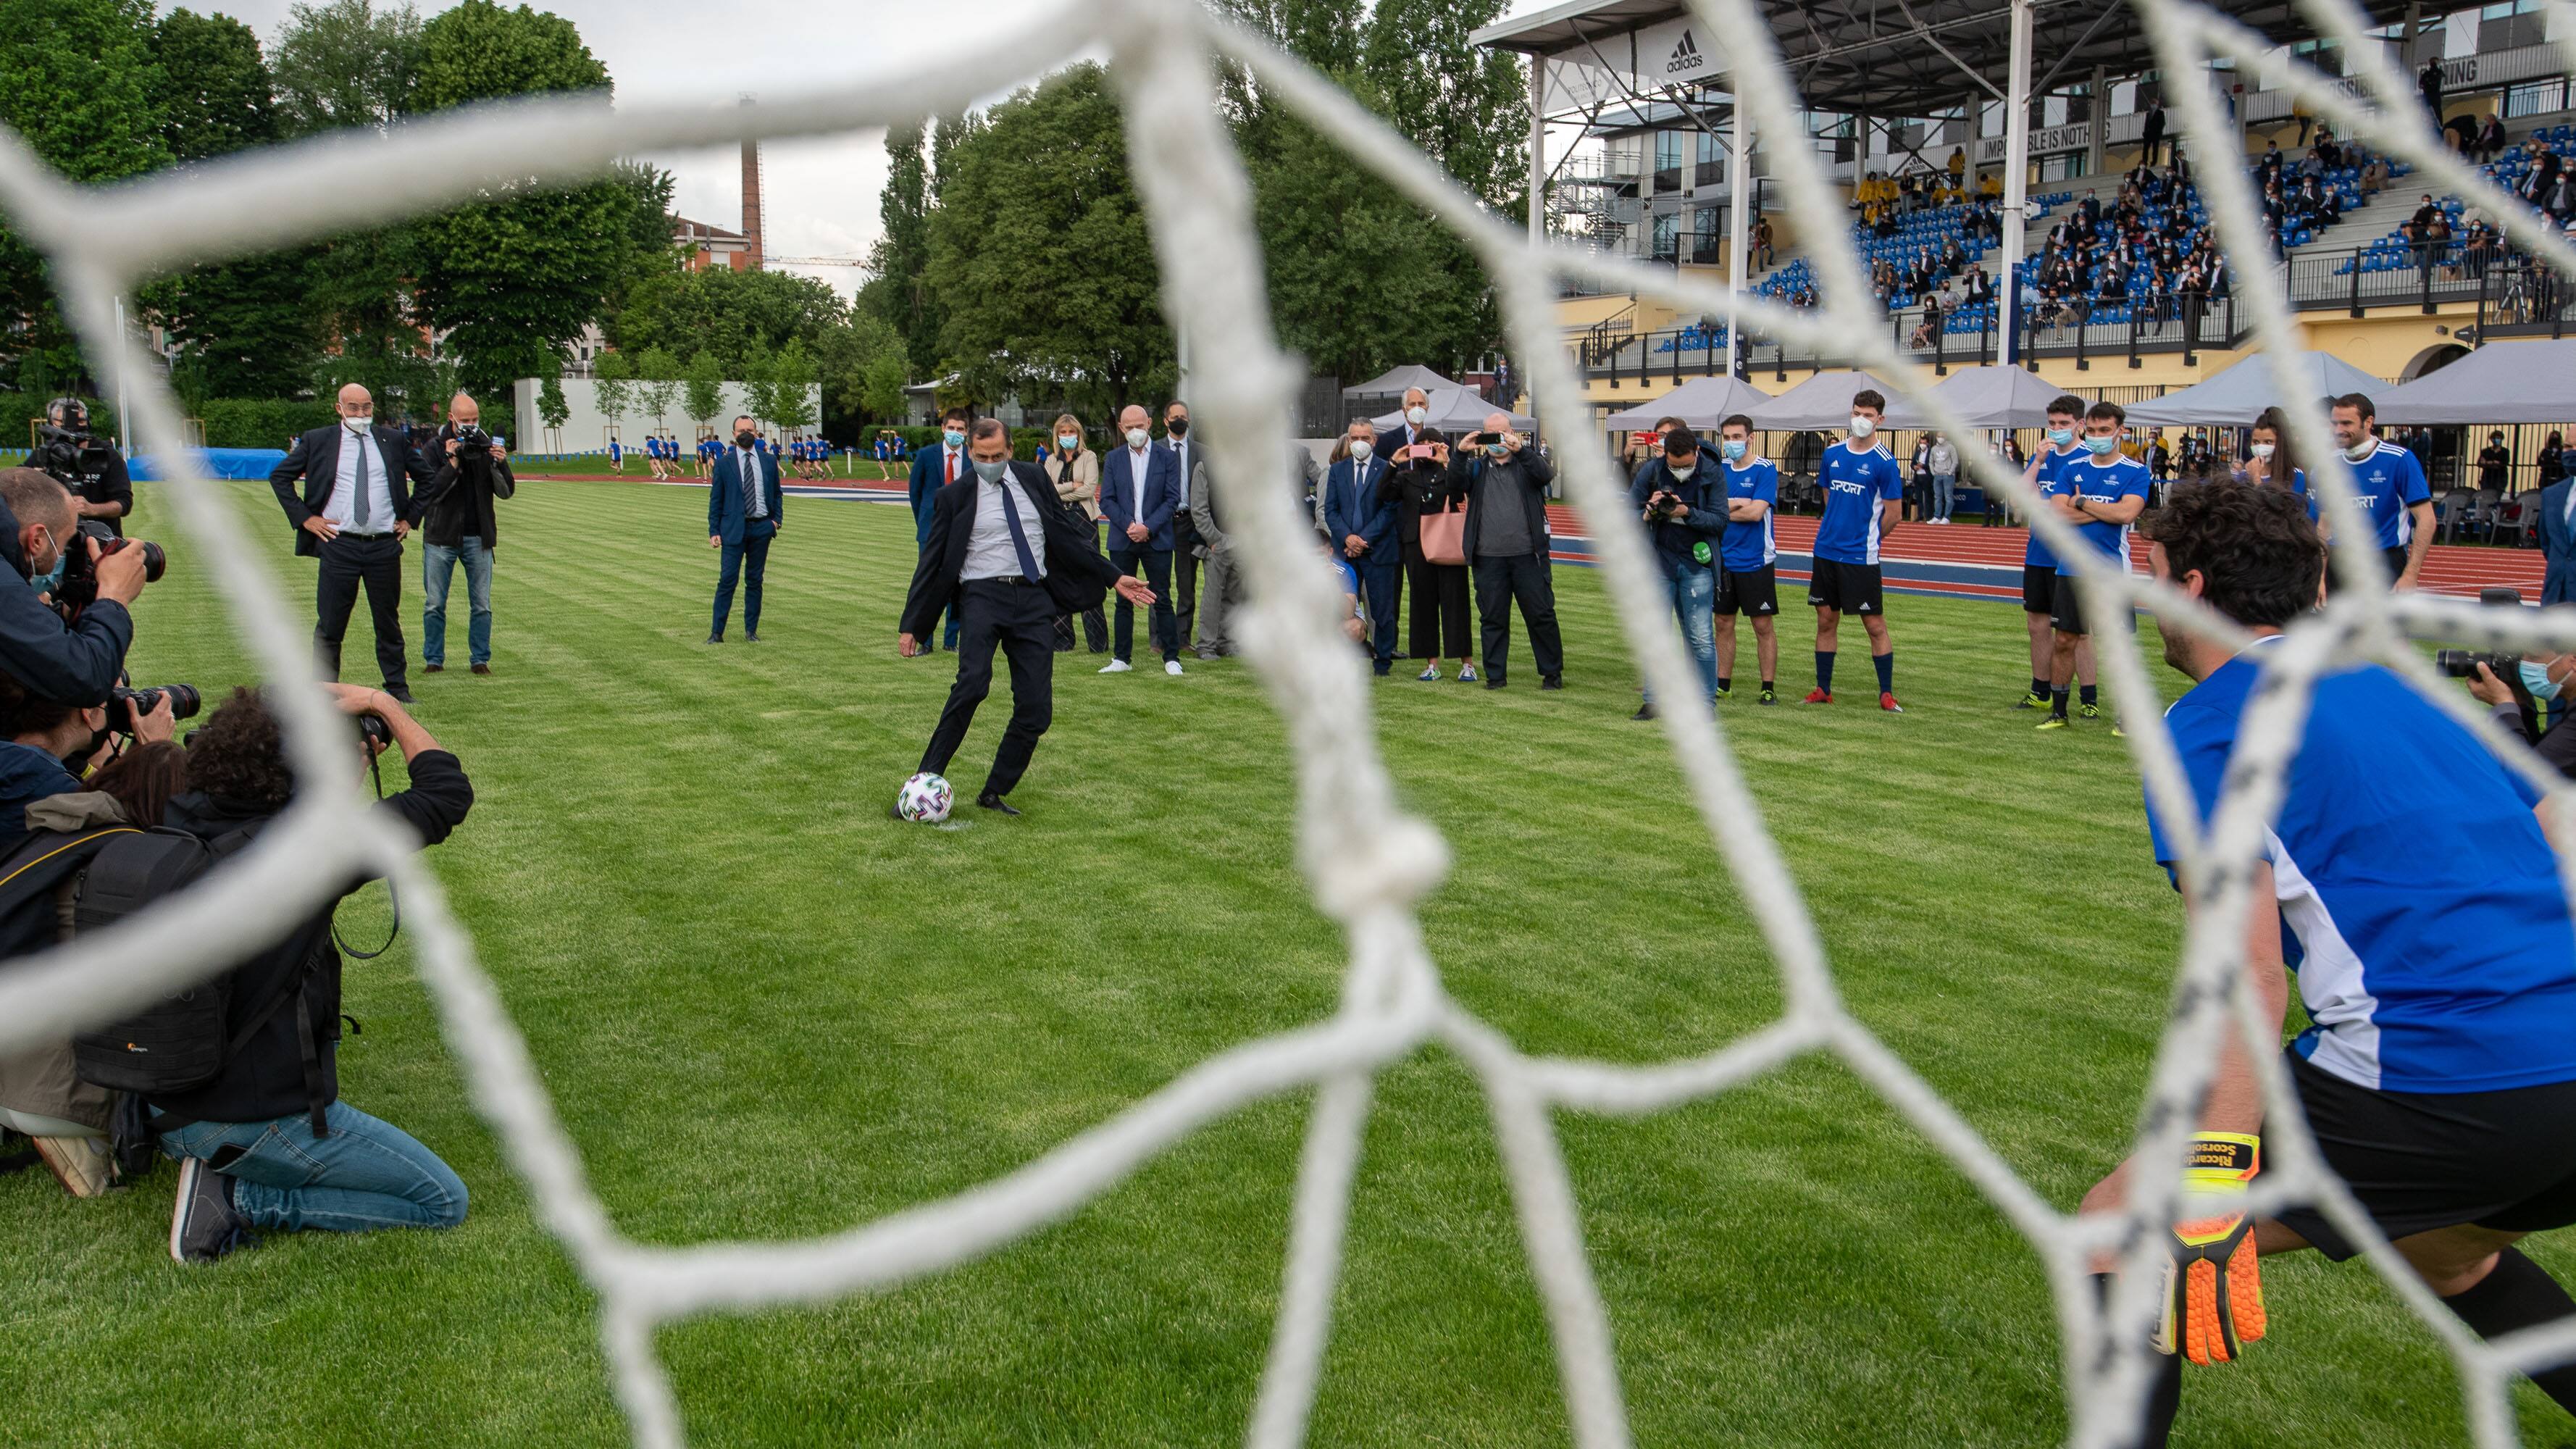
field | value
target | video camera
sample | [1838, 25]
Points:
[68, 451]
[2463, 663]
[79, 587]
[472, 442]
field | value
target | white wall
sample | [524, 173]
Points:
[585, 431]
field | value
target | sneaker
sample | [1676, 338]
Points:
[2088, 711]
[2055, 722]
[1467, 674]
[1172, 666]
[203, 1223]
[1551, 681]
[2033, 701]
[83, 1165]
[1767, 696]
[1644, 711]
[1818, 696]
[1429, 674]
[1117, 666]
[1721, 694]
[2118, 733]
[1887, 701]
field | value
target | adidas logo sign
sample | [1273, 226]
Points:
[1685, 56]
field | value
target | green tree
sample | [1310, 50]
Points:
[346, 63]
[212, 87]
[553, 408]
[702, 390]
[758, 375]
[611, 389]
[1465, 106]
[791, 388]
[726, 312]
[1040, 255]
[852, 363]
[897, 289]
[660, 373]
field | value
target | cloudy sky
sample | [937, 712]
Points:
[821, 195]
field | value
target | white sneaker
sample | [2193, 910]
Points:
[1467, 674]
[1172, 666]
[1433, 672]
[1117, 666]
[82, 1165]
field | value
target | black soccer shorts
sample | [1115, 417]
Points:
[1852, 588]
[1753, 591]
[2038, 588]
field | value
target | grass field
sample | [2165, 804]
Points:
[765, 1010]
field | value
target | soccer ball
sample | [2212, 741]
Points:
[925, 798]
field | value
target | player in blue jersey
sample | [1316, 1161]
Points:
[2391, 483]
[2102, 494]
[2418, 900]
[617, 455]
[1864, 490]
[2038, 564]
[1750, 584]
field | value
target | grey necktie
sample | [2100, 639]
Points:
[358, 507]
[749, 466]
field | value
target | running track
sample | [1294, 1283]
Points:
[1961, 560]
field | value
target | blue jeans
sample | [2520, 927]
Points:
[1694, 593]
[366, 1175]
[1944, 485]
[437, 571]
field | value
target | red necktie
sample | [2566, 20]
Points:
[952, 467]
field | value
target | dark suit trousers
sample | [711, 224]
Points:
[1185, 591]
[1523, 578]
[347, 562]
[2557, 582]
[1379, 584]
[1439, 626]
[1158, 576]
[1020, 618]
[747, 560]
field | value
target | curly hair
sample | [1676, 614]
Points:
[239, 755]
[2260, 559]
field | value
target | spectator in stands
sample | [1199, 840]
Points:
[2374, 176]
[2152, 139]
[2270, 166]
[1957, 164]
[2495, 464]
[2429, 82]
[2491, 139]
[2543, 173]
[1763, 256]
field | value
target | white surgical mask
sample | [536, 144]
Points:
[356, 425]
[2261, 450]
[1862, 427]
[1417, 416]
[1681, 471]
[2535, 678]
[1361, 448]
[1136, 437]
[1067, 443]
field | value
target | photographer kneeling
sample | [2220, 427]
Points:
[267, 1143]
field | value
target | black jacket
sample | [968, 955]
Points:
[459, 501]
[69, 664]
[265, 1079]
[1520, 483]
[315, 458]
[1700, 493]
[1077, 575]
[1416, 488]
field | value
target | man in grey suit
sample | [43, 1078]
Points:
[1216, 547]
[2558, 542]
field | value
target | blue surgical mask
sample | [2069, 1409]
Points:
[2099, 446]
[2060, 437]
[2535, 677]
[954, 438]
[51, 579]
[1733, 449]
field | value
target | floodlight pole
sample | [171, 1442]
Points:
[1738, 259]
[124, 439]
[1537, 179]
[2016, 183]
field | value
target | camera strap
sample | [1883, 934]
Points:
[376, 772]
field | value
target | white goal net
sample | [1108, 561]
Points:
[1368, 861]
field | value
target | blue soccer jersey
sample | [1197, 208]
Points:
[1749, 546]
[2420, 903]
[1856, 481]
[2103, 482]
[2390, 481]
[2299, 485]
[2035, 554]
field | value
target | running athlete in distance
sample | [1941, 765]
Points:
[2039, 564]
[1864, 490]
[2102, 495]
[1749, 585]
[2418, 900]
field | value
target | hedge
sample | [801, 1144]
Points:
[231, 422]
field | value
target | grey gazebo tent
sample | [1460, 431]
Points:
[2236, 396]
[1702, 402]
[1454, 410]
[1983, 397]
[1820, 404]
[2503, 382]
[1392, 383]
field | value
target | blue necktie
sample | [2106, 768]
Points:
[1019, 536]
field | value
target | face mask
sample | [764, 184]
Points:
[356, 425]
[1862, 427]
[2535, 678]
[1361, 448]
[2497, 440]
[990, 472]
[1178, 427]
[746, 439]
[1135, 437]
[954, 437]
[1417, 416]
[2360, 450]
[52, 578]
[1497, 451]
[1068, 443]
[1732, 449]
[2060, 437]
[2261, 450]
[2099, 446]
[1681, 471]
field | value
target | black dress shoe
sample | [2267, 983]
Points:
[991, 801]
[750, 636]
[1493, 681]
[1552, 681]
[1644, 711]
[398, 693]
[715, 638]
[433, 669]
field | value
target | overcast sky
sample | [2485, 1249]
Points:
[821, 195]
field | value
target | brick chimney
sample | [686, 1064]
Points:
[751, 201]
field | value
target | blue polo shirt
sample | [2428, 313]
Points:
[1856, 481]
[1749, 546]
[2390, 480]
[2099, 482]
[2419, 902]
[2035, 554]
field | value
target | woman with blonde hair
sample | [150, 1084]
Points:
[1075, 472]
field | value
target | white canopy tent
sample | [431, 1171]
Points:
[1820, 404]
[1983, 397]
[1455, 410]
[1394, 381]
[1702, 402]
[2235, 397]
[2503, 382]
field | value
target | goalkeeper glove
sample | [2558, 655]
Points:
[2213, 1291]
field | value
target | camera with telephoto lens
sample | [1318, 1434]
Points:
[79, 587]
[472, 442]
[184, 701]
[2463, 663]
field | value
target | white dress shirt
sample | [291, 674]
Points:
[362, 464]
[1139, 463]
[989, 554]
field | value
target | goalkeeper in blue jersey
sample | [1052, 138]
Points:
[2406, 880]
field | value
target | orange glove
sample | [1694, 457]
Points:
[2213, 1290]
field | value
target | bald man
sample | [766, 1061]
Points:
[458, 525]
[353, 513]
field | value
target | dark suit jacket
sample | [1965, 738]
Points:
[2557, 545]
[1122, 502]
[1077, 576]
[1353, 505]
[929, 475]
[726, 518]
[315, 458]
[1524, 486]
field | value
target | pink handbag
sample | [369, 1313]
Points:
[1444, 535]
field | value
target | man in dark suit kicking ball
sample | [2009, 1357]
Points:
[1006, 557]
